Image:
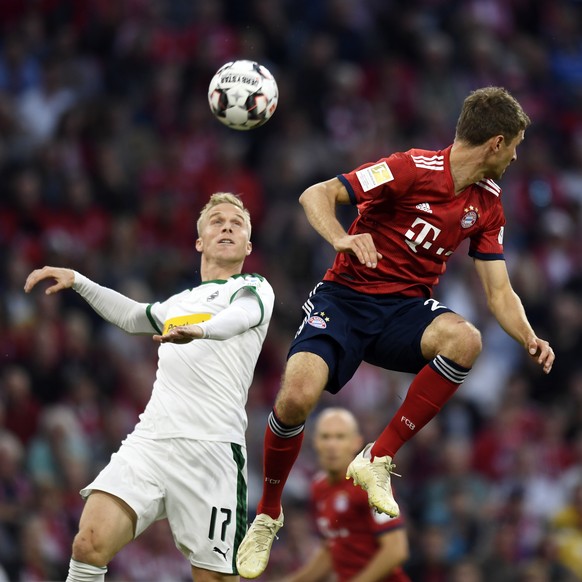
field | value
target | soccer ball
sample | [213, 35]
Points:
[243, 95]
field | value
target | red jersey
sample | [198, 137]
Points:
[407, 203]
[350, 527]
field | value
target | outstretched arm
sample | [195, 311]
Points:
[508, 309]
[319, 202]
[129, 315]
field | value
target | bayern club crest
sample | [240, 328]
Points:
[470, 217]
[341, 502]
[318, 320]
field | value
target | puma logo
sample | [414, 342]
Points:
[219, 551]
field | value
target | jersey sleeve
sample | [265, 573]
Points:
[487, 244]
[387, 177]
[260, 288]
[127, 314]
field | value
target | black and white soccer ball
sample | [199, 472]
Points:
[243, 95]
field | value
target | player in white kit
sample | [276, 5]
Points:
[186, 459]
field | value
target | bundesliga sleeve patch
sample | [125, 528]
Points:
[373, 176]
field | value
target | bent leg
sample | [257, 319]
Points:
[451, 345]
[452, 337]
[107, 524]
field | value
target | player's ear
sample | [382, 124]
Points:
[199, 245]
[249, 248]
[498, 141]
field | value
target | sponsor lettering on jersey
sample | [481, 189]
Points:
[423, 236]
[190, 319]
[470, 217]
[329, 532]
[375, 175]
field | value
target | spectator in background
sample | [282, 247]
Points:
[567, 525]
[41, 106]
[357, 543]
[59, 454]
[16, 499]
[21, 407]
[429, 555]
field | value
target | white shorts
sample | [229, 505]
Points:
[200, 486]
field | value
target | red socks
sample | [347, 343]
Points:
[280, 450]
[429, 391]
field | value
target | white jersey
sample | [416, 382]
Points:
[201, 387]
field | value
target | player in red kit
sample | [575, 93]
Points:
[375, 304]
[357, 542]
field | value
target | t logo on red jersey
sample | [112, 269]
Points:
[428, 231]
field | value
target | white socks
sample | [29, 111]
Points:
[79, 572]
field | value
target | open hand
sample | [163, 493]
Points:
[64, 279]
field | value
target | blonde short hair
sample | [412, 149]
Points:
[223, 198]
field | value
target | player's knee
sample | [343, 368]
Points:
[303, 382]
[88, 550]
[468, 345]
[295, 401]
[293, 407]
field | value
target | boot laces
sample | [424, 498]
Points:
[382, 472]
[264, 533]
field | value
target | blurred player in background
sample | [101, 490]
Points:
[359, 544]
[186, 458]
[375, 304]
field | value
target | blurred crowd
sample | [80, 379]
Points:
[107, 153]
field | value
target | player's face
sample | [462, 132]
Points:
[224, 234]
[336, 442]
[504, 156]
